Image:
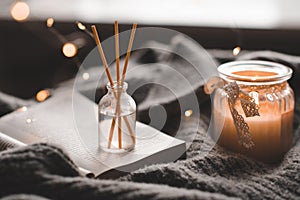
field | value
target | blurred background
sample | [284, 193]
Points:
[43, 42]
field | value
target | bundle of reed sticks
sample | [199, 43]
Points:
[120, 81]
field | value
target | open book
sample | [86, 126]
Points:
[69, 120]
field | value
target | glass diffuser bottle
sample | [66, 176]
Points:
[117, 119]
[271, 130]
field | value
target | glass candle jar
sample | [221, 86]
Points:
[271, 131]
[117, 119]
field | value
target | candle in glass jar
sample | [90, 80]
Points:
[272, 131]
[271, 134]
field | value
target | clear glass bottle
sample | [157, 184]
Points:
[272, 131]
[117, 119]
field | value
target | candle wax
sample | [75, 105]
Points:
[271, 132]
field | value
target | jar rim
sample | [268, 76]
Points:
[117, 85]
[274, 72]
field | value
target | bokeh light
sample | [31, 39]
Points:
[20, 11]
[85, 76]
[22, 109]
[69, 49]
[81, 26]
[188, 113]
[42, 95]
[236, 51]
[50, 22]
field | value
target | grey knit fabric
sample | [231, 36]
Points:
[46, 172]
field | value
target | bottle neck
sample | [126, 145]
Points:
[117, 87]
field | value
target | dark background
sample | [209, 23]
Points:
[31, 58]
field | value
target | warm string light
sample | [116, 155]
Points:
[69, 49]
[20, 11]
[42, 95]
[82, 27]
[236, 51]
[188, 113]
[22, 109]
[50, 22]
[85, 76]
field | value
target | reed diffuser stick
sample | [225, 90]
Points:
[102, 56]
[117, 51]
[128, 52]
[118, 108]
[124, 73]
[98, 42]
[119, 120]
